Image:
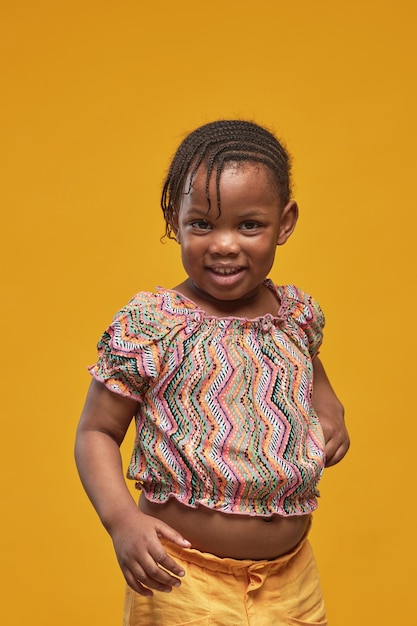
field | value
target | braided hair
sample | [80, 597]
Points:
[215, 144]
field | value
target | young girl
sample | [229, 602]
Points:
[235, 417]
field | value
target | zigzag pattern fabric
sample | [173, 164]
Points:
[224, 416]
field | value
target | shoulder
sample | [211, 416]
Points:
[301, 315]
[153, 315]
[132, 349]
[299, 310]
[300, 305]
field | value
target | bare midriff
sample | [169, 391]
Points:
[230, 535]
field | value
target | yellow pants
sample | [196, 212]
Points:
[229, 592]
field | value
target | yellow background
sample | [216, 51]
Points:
[95, 98]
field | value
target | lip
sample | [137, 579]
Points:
[225, 270]
[226, 276]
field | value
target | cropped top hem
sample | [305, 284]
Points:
[229, 510]
[224, 416]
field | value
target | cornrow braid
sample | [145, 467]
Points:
[215, 144]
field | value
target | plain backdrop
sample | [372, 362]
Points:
[95, 98]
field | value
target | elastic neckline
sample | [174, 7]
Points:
[282, 305]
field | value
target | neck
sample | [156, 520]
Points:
[243, 307]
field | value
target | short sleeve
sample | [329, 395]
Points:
[309, 317]
[130, 350]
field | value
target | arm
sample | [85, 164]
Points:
[104, 421]
[331, 415]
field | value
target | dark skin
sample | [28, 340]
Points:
[331, 414]
[252, 223]
[137, 532]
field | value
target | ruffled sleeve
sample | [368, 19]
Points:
[131, 350]
[305, 311]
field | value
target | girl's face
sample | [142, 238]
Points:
[227, 255]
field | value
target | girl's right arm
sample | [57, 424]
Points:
[103, 424]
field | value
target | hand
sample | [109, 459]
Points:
[144, 562]
[331, 415]
[336, 437]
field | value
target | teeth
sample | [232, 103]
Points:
[226, 271]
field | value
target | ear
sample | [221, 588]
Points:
[288, 220]
[174, 225]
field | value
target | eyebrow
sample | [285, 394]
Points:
[250, 215]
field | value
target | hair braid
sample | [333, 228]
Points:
[215, 144]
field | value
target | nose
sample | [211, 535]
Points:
[224, 243]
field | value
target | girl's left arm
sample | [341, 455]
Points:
[331, 415]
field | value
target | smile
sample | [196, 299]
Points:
[225, 270]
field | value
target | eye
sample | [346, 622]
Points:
[200, 225]
[250, 225]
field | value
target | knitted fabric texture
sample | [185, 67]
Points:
[224, 415]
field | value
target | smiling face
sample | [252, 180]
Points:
[228, 254]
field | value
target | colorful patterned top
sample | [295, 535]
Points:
[224, 417]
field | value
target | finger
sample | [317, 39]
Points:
[331, 456]
[169, 565]
[329, 450]
[153, 571]
[144, 583]
[135, 584]
[336, 453]
[172, 535]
